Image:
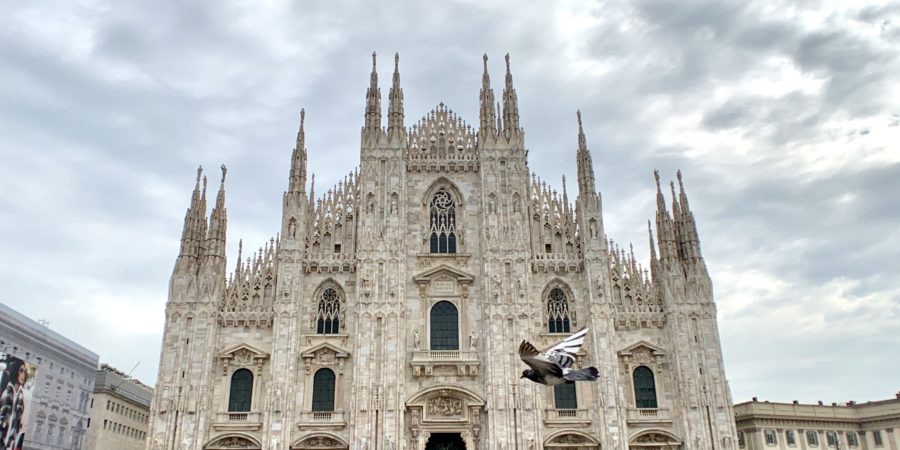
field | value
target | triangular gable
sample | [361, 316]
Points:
[444, 269]
[244, 348]
[311, 352]
[641, 346]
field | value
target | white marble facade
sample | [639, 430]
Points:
[351, 282]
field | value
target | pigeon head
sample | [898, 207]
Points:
[528, 373]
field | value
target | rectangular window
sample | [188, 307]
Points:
[741, 442]
[548, 248]
[564, 396]
[876, 436]
[790, 438]
[771, 437]
[337, 248]
[852, 439]
[812, 438]
[832, 438]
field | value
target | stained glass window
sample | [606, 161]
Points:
[564, 396]
[442, 212]
[328, 316]
[241, 391]
[323, 390]
[644, 388]
[444, 326]
[558, 311]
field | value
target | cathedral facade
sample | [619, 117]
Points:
[386, 313]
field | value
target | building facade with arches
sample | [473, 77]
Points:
[386, 313]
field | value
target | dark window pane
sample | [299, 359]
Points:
[444, 326]
[564, 396]
[644, 388]
[434, 243]
[451, 243]
[323, 391]
[241, 391]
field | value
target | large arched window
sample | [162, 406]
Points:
[558, 311]
[564, 396]
[323, 390]
[241, 391]
[444, 326]
[328, 315]
[442, 212]
[644, 388]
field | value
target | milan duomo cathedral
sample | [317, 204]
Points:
[386, 313]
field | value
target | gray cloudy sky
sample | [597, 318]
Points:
[781, 114]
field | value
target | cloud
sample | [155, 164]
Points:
[781, 115]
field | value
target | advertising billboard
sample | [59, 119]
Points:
[16, 386]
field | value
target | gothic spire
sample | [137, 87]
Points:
[510, 105]
[218, 223]
[690, 240]
[188, 232]
[653, 260]
[664, 225]
[586, 183]
[395, 96]
[488, 113]
[373, 100]
[297, 182]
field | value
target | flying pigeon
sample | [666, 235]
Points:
[554, 366]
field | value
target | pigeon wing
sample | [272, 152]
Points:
[563, 353]
[538, 362]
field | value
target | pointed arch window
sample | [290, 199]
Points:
[644, 388]
[558, 311]
[442, 213]
[328, 316]
[323, 390]
[564, 396]
[444, 326]
[241, 391]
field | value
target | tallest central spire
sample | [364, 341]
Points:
[373, 100]
[510, 105]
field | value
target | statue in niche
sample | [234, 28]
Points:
[473, 340]
[416, 339]
[292, 228]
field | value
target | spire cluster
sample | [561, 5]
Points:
[676, 232]
[202, 238]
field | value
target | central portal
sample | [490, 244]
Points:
[445, 441]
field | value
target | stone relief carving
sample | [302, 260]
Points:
[445, 406]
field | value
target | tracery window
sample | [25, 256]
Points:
[323, 390]
[444, 326]
[558, 311]
[564, 396]
[644, 388]
[328, 315]
[442, 212]
[241, 391]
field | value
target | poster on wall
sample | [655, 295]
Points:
[16, 386]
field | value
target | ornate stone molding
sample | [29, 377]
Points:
[243, 356]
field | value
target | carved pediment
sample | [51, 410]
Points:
[572, 440]
[444, 280]
[243, 355]
[444, 271]
[319, 442]
[231, 442]
[325, 354]
[642, 349]
[655, 438]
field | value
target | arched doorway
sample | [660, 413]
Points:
[445, 441]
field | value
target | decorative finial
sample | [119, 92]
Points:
[373, 61]
[578, 113]
[302, 117]
[397, 62]
[199, 173]
[656, 175]
[224, 171]
[507, 63]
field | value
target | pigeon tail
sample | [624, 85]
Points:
[586, 374]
